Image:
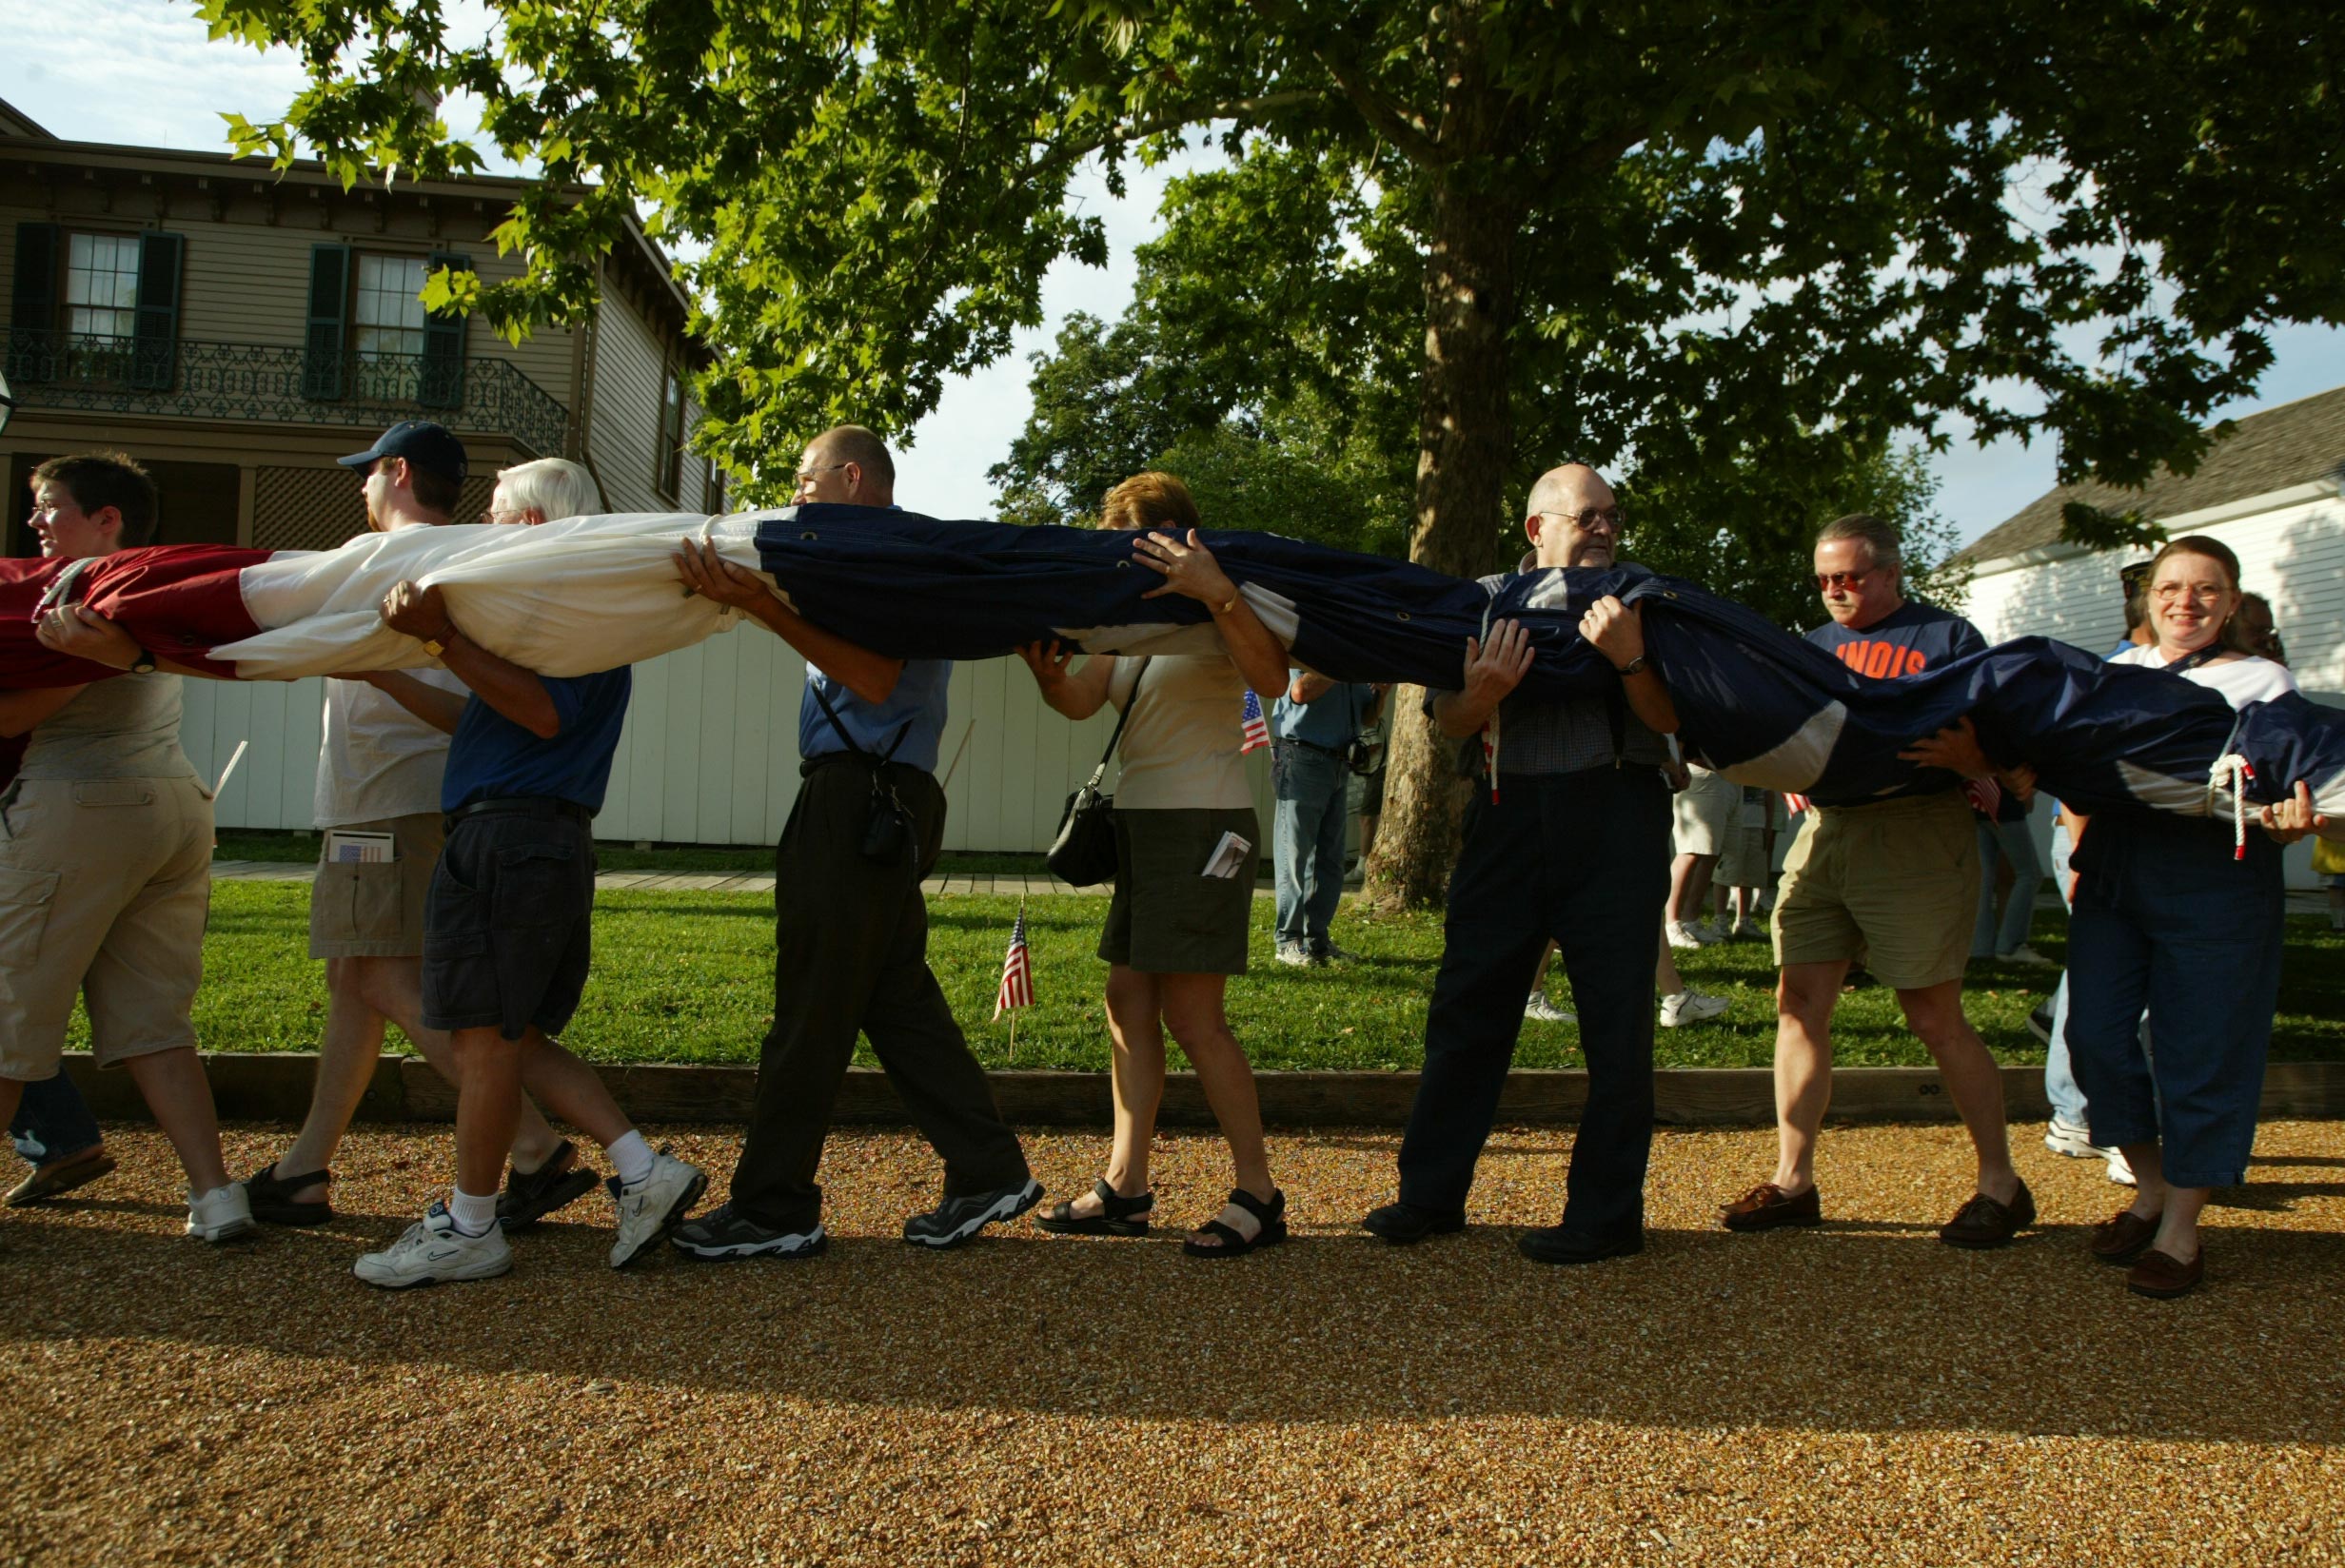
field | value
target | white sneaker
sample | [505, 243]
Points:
[1294, 954]
[653, 1207]
[220, 1215]
[433, 1249]
[1683, 935]
[2120, 1170]
[2027, 955]
[1690, 1006]
[1542, 1011]
[2065, 1137]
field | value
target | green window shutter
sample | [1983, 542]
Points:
[33, 348]
[154, 348]
[442, 381]
[326, 350]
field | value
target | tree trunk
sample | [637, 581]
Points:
[1466, 435]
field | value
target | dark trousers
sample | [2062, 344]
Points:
[1582, 858]
[52, 1121]
[851, 954]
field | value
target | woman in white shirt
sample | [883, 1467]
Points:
[2170, 919]
[1175, 931]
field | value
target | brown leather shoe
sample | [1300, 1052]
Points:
[1984, 1223]
[2122, 1236]
[1765, 1208]
[2160, 1276]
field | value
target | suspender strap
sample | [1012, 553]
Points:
[831, 714]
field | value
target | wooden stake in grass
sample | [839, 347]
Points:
[1017, 979]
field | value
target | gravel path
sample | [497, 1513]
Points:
[1854, 1395]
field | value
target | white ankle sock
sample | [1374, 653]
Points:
[473, 1216]
[631, 1155]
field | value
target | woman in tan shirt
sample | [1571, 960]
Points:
[1177, 932]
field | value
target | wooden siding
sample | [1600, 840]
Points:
[623, 431]
[248, 262]
[709, 754]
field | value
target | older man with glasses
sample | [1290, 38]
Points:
[1895, 884]
[1568, 838]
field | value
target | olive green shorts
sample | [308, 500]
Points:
[1893, 886]
[1168, 917]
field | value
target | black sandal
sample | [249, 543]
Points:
[1119, 1216]
[1274, 1218]
[273, 1200]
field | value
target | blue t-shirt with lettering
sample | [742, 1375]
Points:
[1909, 639]
[493, 758]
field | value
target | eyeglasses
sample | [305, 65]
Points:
[807, 476]
[1826, 582]
[1608, 520]
[2166, 593]
[492, 515]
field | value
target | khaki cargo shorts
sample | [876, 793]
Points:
[376, 910]
[1893, 886]
[104, 887]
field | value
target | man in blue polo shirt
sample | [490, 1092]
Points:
[850, 926]
[508, 941]
[1312, 727]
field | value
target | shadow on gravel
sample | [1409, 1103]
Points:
[1854, 1327]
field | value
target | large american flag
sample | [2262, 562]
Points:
[1257, 729]
[1017, 973]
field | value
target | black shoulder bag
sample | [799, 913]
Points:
[888, 829]
[1083, 855]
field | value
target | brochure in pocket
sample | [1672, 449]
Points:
[1229, 856]
[345, 847]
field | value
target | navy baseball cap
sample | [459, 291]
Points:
[431, 447]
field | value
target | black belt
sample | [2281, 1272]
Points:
[808, 766]
[523, 805]
[1336, 751]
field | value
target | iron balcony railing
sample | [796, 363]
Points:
[220, 380]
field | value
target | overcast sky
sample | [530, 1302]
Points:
[159, 81]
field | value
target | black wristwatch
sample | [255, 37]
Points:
[1634, 666]
[143, 664]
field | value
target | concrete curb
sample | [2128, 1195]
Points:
[275, 1088]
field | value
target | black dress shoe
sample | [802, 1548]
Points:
[1556, 1245]
[1404, 1223]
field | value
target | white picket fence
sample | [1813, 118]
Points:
[709, 751]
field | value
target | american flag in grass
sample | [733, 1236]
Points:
[1017, 973]
[1257, 729]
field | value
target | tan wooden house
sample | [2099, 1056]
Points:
[236, 329]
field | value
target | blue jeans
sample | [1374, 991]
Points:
[1306, 840]
[2015, 844]
[53, 1121]
[2166, 920]
[2059, 1078]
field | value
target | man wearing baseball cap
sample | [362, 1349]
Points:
[385, 749]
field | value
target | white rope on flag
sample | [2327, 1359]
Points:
[2236, 767]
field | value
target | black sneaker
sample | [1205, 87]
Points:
[720, 1236]
[2039, 1023]
[530, 1196]
[956, 1220]
[1554, 1245]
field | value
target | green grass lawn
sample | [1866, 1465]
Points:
[687, 977]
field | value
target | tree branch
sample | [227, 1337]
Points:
[1384, 114]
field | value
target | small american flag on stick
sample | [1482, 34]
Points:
[1017, 973]
[1257, 729]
